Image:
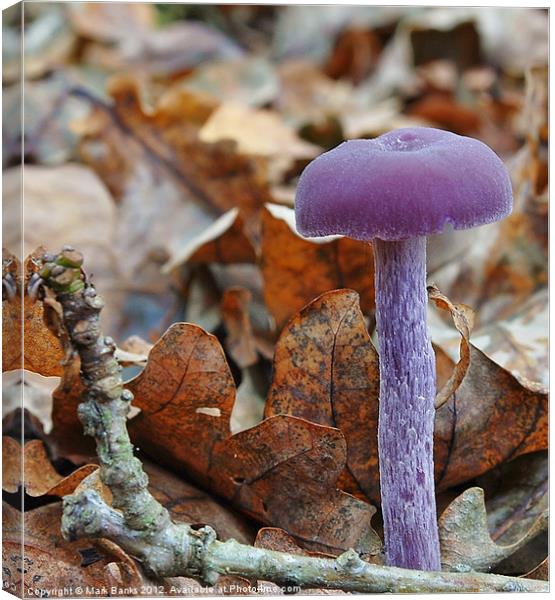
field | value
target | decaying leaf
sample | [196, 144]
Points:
[189, 504]
[487, 419]
[31, 468]
[161, 148]
[282, 472]
[257, 132]
[48, 562]
[326, 371]
[465, 539]
[490, 419]
[519, 343]
[185, 392]
[224, 242]
[42, 351]
[516, 499]
[297, 269]
[463, 319]
[240, 342]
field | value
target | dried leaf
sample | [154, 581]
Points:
[258, 132]
[284, 472]
[186, 391]
[519, 344]
[288, 465]
[463, 319]
[224, 242]
[42, 350]
[48, 563]
[66, 204]
[157, 167]
[177, 47]
[249, 80]
[240, 342]
[326, 371]
[12, 467]
[39, 476]
[465, 539]
[297, 269]
[517, 497]
[188, 504]
[490, 419]
[445, 112]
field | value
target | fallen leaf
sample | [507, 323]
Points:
[297, 269]
[463, 319]
[187, 382]
[447, 113]
[189, 504]
[520, 344]
[48, 563]
[306, 95]
[249, 80]
[258, 132]
[30, 467]
[64, 205]
[516, 498]
[464, 537]
[224, 242]
[284, 472]
[355, 54]
[490, 419]
[326, 371]
[186, 392]
[240, 342]
[157, 167]
[177, 47]
[42, 351]
[12, 467]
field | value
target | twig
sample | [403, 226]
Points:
[142, 526]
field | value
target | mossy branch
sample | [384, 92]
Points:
[140, 525]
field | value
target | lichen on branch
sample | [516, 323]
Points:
[141, 526]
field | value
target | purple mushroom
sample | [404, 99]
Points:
[395, 190]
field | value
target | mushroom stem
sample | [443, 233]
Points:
[406, 415]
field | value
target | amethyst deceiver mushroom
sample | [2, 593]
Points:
[395, 190]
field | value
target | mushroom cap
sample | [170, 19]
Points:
[406, 183]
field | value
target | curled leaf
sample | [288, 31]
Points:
[464, 537]
[463, 319]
